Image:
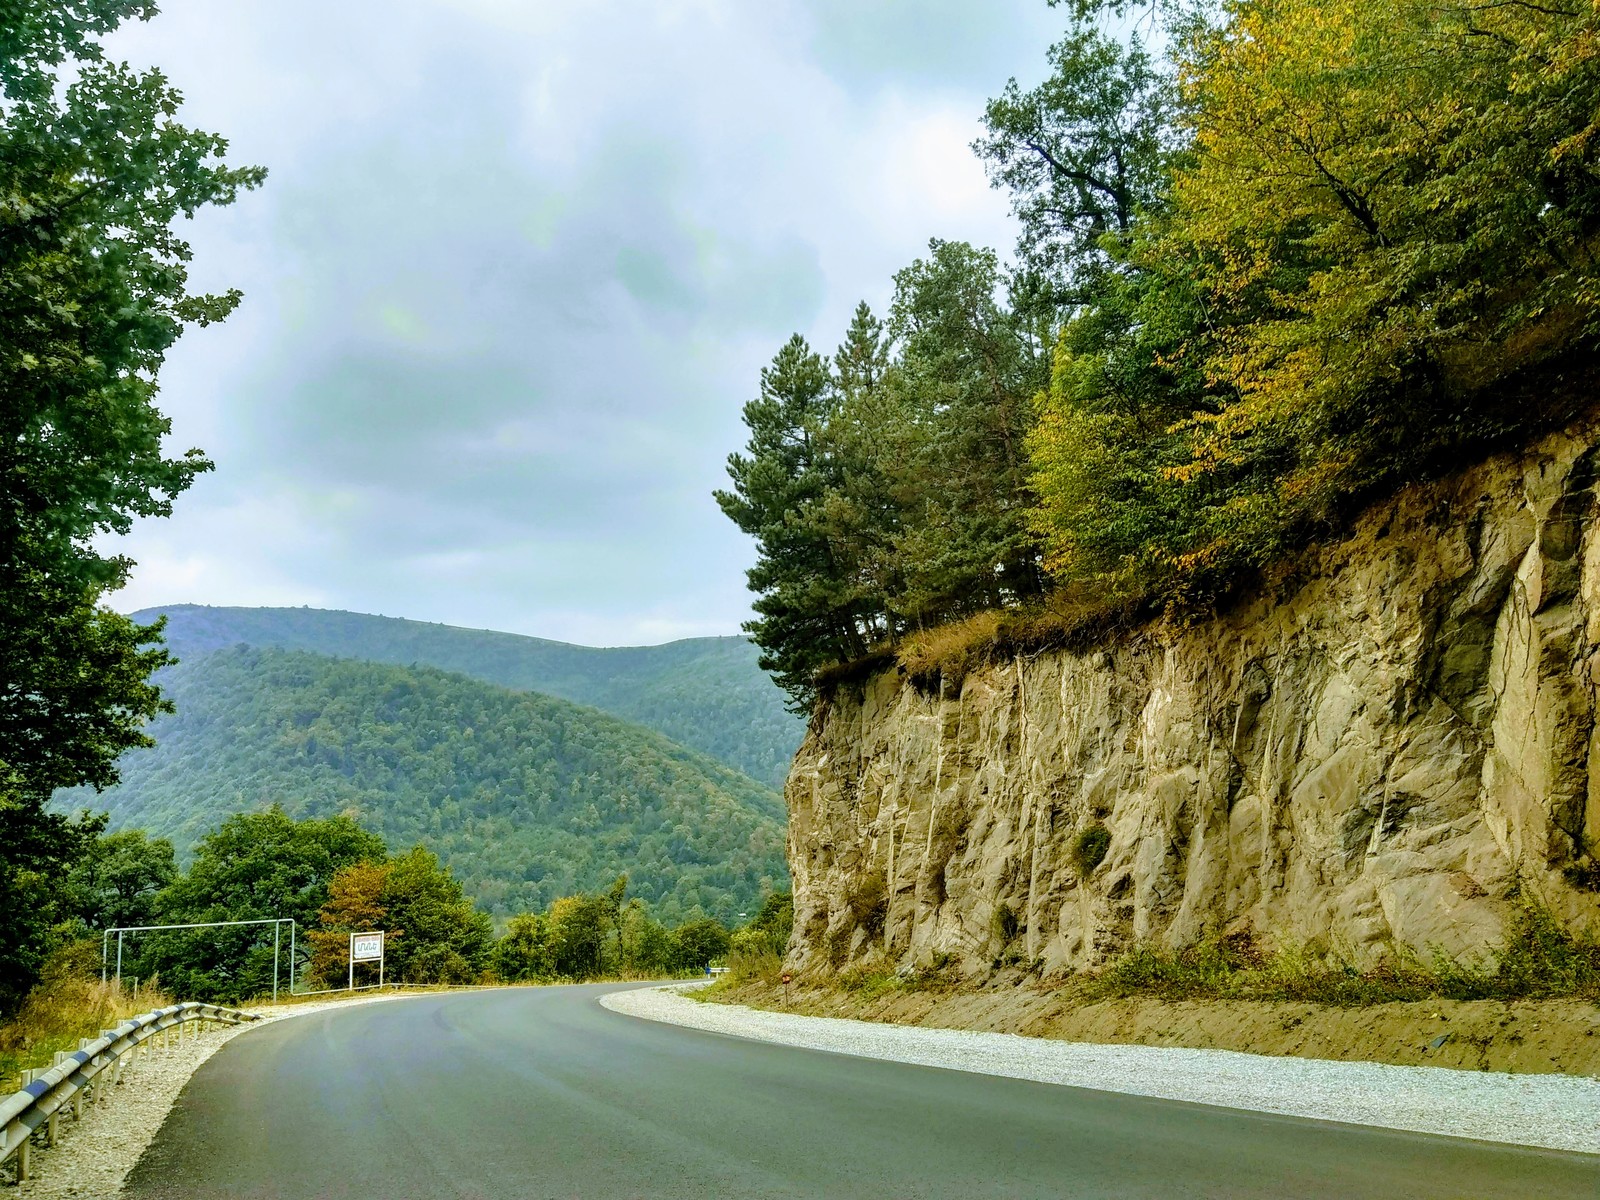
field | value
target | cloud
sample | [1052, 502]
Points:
[514, 274]
[933, 44]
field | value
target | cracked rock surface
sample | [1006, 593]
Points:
[1375, 752]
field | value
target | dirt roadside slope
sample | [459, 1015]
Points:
[1525, 1036]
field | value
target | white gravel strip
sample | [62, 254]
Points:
[1557, 1112]
[92, 1157]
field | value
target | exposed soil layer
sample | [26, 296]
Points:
[1524, 1036]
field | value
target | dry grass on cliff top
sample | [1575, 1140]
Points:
[1068, 619]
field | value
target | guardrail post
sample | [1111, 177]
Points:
[83, 1078]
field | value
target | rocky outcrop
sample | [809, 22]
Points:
[1381, 757]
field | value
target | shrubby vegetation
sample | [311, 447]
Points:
[525, 797]
[602, 934]
[334, 878]
[756, 950]
[704, 693]
[1539, 959]
[69, 1002]
[1310, 252]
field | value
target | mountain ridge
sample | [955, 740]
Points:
[706, 693]
[524, 795]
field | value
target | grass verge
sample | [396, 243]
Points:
[1541, 959]
[69, 1003]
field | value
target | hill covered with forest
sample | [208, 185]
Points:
[707, 693]
[525, 797]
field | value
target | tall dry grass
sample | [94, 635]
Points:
[69, 1003]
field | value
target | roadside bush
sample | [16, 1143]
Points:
[69, 1002]
[1540, 959]
[870, 985]
[697, 944]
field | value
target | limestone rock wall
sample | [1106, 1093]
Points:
[1378, 758]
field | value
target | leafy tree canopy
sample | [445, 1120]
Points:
[94, 171]
[1313, 251]
[705, 693]
[526, 798]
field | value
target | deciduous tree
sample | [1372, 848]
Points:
[94, 172]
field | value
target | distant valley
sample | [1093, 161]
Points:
[472, 743]
[707, 693]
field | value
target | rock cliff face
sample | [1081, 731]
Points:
[1377, 758]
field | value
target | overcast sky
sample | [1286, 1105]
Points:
[514, 273]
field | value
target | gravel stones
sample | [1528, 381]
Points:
[1555, 1112]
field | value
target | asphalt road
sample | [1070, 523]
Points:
[540, 1092]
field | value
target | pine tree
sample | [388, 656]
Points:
[779, 494]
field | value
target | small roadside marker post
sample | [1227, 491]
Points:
[366, 947]
[786, 978]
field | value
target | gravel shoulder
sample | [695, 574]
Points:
[1522, 1036]
[1557, 1112]
[93, 1156]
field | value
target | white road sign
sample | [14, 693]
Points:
[366, 947]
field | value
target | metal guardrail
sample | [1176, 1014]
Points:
[84, 1073]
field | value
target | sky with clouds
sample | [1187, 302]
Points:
[514, 273]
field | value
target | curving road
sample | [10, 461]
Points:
[540, 1092]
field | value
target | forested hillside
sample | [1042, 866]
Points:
[1276, 261]
[524, 797]
[707, 693]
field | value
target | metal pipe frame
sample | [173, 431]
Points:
[277, 933]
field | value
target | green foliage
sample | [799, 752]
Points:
[94, 172]
[68, 1003]
[117, 881]
[645, 945]
[697, 944]
[1371, 259]
[804, 605]
[756, 949]
[1318, 251]
[439, 935]
[774, 920]
[887, 491]
[1540, 959]
[1085, 156]
[592, 935]
[968, 368]
[704, 693]
[254, 865]
[37, 849]
[525, 798]
[576, 927]
[1089, 848]
[871, 985]
[522, 954]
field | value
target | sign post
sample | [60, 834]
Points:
[366, 947]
